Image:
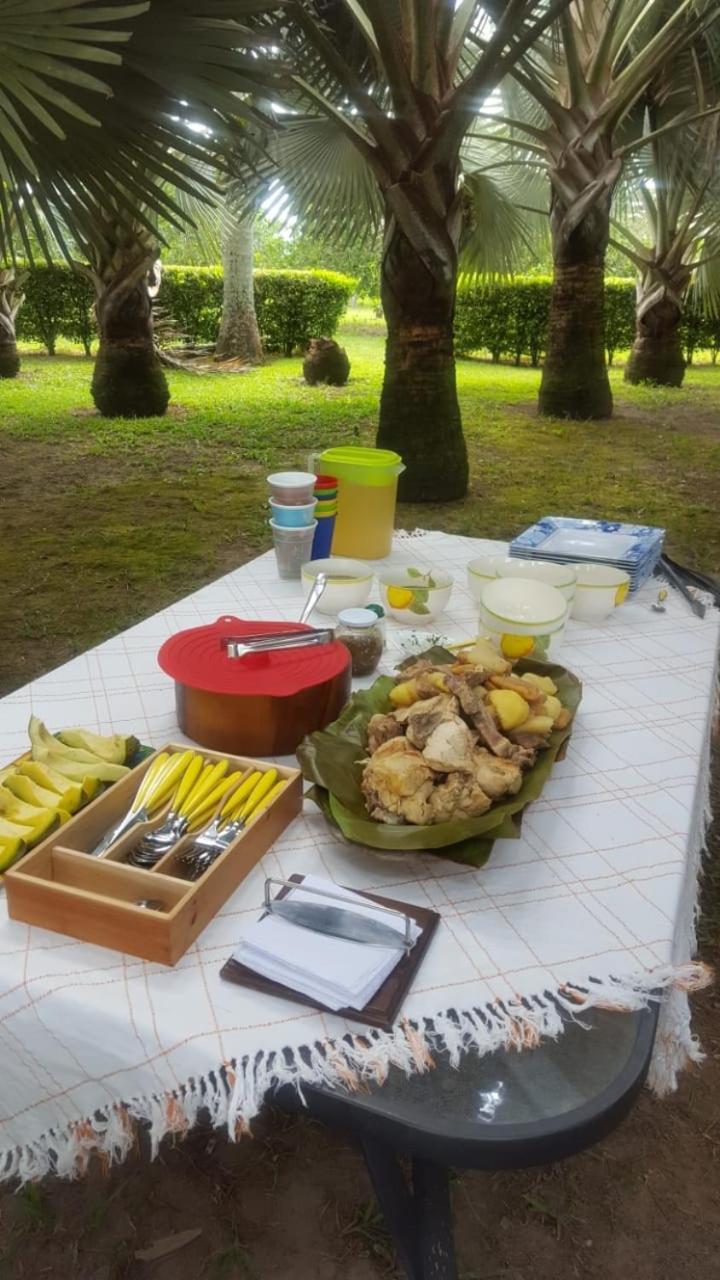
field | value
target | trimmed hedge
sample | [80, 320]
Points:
[292, 306]
[509, 319]
[58, 303]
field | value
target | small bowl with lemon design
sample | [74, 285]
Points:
[415, 596]
[600, 589]
[524, 618]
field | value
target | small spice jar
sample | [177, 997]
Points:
[360, 630]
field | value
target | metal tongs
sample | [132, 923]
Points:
[337, 921]
[241, 646]
[678, 578]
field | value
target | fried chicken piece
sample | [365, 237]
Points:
[525, 757]
[424, 716]
[397, 781]
[531, 741]
[450, 747]
[414, 669]
[497, 777]
[471, 694]
[382, 729]
[488, 731]
[459, 796]
[529, 692]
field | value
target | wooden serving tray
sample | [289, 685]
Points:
[59, 886]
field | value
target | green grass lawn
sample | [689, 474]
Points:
[103, 521]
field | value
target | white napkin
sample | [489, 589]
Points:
[336, 972]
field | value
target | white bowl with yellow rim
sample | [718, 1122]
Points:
[600, 589]
[562, 576]
[524, 618]
[482, 570]
[348, 582]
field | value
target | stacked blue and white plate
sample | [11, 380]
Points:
[632, 547]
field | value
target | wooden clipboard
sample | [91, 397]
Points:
[385, 1005]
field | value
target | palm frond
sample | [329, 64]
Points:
[504, 229]
[102, 91]
[321, 179]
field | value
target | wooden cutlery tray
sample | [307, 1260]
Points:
[59, 886]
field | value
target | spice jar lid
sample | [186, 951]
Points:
[357, 617]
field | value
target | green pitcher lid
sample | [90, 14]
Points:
[361, 457]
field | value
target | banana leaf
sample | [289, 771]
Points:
[332, 760]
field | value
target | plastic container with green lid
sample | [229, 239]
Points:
[367, 493]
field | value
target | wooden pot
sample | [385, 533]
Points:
[263, 704]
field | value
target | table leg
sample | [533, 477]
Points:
[419, 1220]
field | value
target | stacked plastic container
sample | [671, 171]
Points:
[293, 523]
[326, 488]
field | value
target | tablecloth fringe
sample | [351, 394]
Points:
[676, 1045]
[234, 1095]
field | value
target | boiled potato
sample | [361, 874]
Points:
[552, 707]
[510, 709]
[405, 694]
[538, 724]
[484, 654]
[541, 682]
[438, 681]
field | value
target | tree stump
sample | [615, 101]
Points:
[326, 362]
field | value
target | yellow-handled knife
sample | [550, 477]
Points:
[203, 811]
[156, 767]
[264, 786]
[266, 801]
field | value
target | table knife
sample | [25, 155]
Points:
[338, 922]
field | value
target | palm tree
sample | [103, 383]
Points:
[677, 177]
[239, 335]
[388, 90]
[566, 102]
[98, 154]
[11, 300]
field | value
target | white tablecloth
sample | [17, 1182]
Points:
[593, 904]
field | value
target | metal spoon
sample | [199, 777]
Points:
[316, 591]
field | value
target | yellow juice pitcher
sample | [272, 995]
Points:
[367, 493]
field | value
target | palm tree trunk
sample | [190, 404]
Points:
[419, 410]
[657, 354]
[11, 300]
[128, 380]
[239, 336]
[575, 381]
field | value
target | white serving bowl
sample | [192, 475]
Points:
[522, 617]
[481, 571]
[600, 589]
[348, 582]
[409, 597]
[562, 576]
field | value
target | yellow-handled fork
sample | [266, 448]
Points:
[243, 806]
[198, 791]
[155, 789]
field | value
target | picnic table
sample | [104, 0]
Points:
[574, 943]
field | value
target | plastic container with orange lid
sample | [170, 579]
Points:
[367, 494]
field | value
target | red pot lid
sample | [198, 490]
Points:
[198, 658]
